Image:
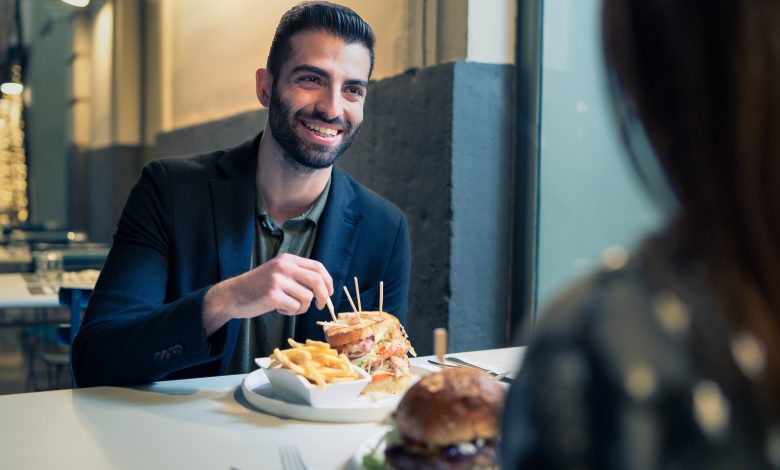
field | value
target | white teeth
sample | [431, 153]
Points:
[322, 130]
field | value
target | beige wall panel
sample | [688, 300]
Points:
[102, 66]
[79, 120]
[491, 31]
[127, 73]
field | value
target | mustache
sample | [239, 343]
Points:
[320, 116]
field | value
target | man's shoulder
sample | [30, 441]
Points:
[206, 162]
[367, 200]
[198, 162]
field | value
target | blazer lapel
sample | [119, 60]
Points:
[233, 205]
[336, 239]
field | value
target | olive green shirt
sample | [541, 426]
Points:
[258, 336]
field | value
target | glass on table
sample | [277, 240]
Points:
[49, 267]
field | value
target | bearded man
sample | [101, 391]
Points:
[219, 258]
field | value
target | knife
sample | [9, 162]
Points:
[457, 360]
[499, 377]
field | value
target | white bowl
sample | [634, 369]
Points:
[294, 388]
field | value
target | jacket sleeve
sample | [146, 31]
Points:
[132, 333]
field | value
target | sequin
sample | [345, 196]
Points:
[615, 257]
[640, 382]
[749, 354]
[711, 408]
[671, 313]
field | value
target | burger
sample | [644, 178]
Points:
[447, 420]
[377, 343]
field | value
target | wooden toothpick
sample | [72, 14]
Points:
[440, 343]
[357, 294]
[349, 297]
[381, 294]
[331, 310]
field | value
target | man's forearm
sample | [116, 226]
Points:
[215, 309]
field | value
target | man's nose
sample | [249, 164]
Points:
[331, 104]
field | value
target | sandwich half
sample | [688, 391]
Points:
[376, 343]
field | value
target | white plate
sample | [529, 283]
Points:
[374, 441]
[258, 391]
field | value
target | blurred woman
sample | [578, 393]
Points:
[671, 358]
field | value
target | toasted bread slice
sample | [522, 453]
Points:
[352, 329]
[389, 385]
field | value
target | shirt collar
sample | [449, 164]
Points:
[313, 213]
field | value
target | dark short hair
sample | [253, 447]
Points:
[337, 20]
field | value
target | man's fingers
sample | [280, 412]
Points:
[286, 304]
[318, 268]
[312, 281]
[300, 294]
[301, 279]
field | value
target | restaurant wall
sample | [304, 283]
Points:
[103, 116]
[491, 31]
[209, 53]
[214, 49]
[438, 143]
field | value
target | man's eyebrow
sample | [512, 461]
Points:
[318, 71]
[354, 82]
[312, 69]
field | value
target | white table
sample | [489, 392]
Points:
[15, 291]
[190, 424]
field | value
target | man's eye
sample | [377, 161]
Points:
[355, 90]
[310, 79]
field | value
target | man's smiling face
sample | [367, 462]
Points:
[316, 104]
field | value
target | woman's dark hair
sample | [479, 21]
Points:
[703, 79]
[337, 20]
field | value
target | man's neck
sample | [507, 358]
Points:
[287, 190]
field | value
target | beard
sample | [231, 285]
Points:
[296, 150]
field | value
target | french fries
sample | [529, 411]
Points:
[315, 361]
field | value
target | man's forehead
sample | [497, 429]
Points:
[316, 46]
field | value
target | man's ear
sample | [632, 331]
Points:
[264, 81]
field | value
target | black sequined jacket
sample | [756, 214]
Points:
[632, 369]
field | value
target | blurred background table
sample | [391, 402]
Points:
[24, 290]
[15, 259]
[37, 330]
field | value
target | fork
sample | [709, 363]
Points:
[291, 458]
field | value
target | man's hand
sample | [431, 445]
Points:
[286, 283]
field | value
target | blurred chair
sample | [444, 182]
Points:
[87, 256]
[55, 360]
[75, 299]
[52, 347]
[40, 345]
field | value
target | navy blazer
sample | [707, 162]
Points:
[188, 224]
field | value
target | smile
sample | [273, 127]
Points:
[321, 131]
